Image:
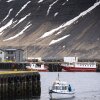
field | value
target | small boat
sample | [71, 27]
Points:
[37, 67]
[61, 90]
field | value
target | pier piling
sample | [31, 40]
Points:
[19, 85]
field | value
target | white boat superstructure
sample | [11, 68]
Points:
[61, 89]
[37, 67]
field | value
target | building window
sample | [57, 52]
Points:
[10, 52]
[10, 58]
[0, 52]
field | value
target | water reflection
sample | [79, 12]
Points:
[20, 98]
[20, 88]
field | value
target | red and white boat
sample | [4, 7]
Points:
[80, 67]
[75, 66]
[37, 67]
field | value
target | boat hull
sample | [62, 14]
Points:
[61, 95]
[40, 70]
[78, 69]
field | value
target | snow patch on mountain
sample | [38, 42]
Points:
[22, 8]
[22, 19]
[10, 0]
[50, 6]
[60, 31]
[7, 15]
[56, 14]
[65, 2]
[6, 26]
[70, 21]
[40, 1]
[58, 40]
[20, 33]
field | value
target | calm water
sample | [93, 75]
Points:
[87, 85]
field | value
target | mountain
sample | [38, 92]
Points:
[51, 28]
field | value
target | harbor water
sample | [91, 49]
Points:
[86, 84]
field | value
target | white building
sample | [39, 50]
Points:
[15, 55]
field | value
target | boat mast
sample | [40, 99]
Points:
[58, 76]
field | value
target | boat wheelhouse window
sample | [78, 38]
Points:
[56, 87]
[38, 65]
[53, 87]
[71, 64]
[64, 87]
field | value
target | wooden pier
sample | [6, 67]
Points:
[52, 66]
[19, 85]
[98, 67]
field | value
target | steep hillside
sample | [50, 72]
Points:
[51, 28]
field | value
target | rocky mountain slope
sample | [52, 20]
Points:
[51, 28]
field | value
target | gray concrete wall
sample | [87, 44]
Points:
[1, 56]
[19, 55]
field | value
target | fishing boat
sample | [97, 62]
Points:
[71, 64]
[37, 67]
[61, 90]
[79, 67]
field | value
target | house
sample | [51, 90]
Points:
[2, 54]
[15, 55]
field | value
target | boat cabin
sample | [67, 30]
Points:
[60, 86]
